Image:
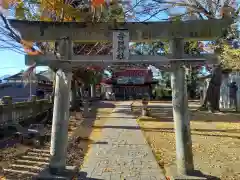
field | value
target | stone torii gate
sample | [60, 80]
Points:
[134, 32]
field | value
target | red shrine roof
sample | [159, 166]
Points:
[131, 72]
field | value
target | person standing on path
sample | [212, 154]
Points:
[233, 95]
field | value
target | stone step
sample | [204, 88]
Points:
[15, 175]
[45, 150]
[20, 171]
[38, 154]
[35, 158]
[72, 124]
[29, 168]
[30, 162]
[6, 178]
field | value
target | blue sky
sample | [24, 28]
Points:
[12, 62]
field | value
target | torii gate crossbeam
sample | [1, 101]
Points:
[105, 61]
[140, 31]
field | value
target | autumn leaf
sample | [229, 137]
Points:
[97, 3]
[5, 4]
[26, 43]
[230, 57]
[116, 12]
[27, 46]
[31, 52]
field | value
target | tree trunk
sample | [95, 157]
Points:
[212, 97]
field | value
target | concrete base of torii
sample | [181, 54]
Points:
[68, 173]
[172, 174]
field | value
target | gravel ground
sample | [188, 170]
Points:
[215, 139]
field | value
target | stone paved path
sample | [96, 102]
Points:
[122, 152]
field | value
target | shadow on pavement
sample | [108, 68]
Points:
[70, 174]
[83, 176]
[196, 174]
[200, 174]
[104, 104]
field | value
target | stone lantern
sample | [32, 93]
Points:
[145, 101]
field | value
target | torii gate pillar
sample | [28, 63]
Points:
[184, 154]
[59, 137]
[60, 121]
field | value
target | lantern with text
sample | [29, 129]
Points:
[145, 101]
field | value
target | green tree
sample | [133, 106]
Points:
[192, 77]
[198, 9]
[231, 57]
[192, 48]
[150, 48]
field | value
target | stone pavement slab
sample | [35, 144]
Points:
[125, 154]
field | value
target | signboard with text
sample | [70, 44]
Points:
[120, 45]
